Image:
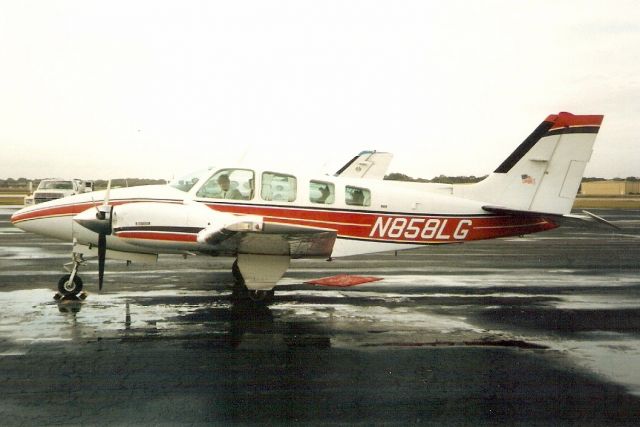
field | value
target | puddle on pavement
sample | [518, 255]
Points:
[33, 316]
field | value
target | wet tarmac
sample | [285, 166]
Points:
[538, 330]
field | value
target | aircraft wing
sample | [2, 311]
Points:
[569, 219]
[367, 164]
[154, 225]
[251, 237]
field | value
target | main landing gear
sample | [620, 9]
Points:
[241, 292]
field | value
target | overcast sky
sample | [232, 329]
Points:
[157, 88]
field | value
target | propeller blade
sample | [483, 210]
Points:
[107, 193]
[95, 205]
[102, 253]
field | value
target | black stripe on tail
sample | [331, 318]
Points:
[524, 148]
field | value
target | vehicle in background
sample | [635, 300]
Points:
[56, 188]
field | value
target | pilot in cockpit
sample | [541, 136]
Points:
[225, 191]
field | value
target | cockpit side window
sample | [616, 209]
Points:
[278, 187]
[322, 192]
[234, 184]
[356, 196]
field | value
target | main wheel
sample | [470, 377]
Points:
[69, 288]
[261, 296]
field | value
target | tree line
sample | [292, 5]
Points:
[23, 183]
[444, 179]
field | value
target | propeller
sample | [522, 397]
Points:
[102, 254]
[105, 216]
[101, 223]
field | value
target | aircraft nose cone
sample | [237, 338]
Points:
[18, 218]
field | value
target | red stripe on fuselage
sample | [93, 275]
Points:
[155, 235]
[51, 212]
[72, 209]
[350, 224]
[396, 228]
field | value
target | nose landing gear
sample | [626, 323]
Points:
[71, 284]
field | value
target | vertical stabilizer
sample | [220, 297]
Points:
[367, 164]
[544, 173]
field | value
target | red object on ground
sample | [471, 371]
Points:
[343, 280]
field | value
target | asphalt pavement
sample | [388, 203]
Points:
[538, 330]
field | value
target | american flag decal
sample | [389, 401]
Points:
[526, 179]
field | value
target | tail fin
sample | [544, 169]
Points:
[367, 164]
[544, 173]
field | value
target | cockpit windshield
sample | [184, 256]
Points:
[186, 183]
[55, 185]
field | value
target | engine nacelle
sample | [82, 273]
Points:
[177, 226]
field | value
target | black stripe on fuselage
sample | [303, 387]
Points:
[165, 229]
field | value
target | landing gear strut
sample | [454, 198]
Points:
[241, 292]
[71, 284]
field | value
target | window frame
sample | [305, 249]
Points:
[364, 198]
[273, 173]
[332, 192]
[217, 173]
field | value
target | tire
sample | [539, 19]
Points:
[261, 296]
[69, 289]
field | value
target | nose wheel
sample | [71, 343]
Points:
[71, 284]
[68, 286]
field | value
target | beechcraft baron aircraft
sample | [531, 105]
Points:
[265, 218]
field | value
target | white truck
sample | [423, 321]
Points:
[56, 188]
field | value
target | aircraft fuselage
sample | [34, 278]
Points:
[394, 216]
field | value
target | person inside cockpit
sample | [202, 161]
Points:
[325, 192]
[357, 198]
[226, 192]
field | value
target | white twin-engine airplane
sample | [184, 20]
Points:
[265, 218]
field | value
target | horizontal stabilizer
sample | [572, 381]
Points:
[343, 280]
[568, 219]
[593, 217]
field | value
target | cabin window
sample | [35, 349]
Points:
[278, 187]
[356, 196]
[234, 184]
[322, 192]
